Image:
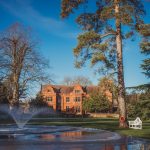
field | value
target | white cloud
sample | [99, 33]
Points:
[24, 11]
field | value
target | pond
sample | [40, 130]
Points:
[36, 137]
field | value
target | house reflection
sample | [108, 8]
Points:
[70, 135]
[52, 137]
[49, 137]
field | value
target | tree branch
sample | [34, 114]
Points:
[107, 34]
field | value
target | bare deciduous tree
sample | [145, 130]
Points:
[84, 81]
[67, 81]
[20, 63]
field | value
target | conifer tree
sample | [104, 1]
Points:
[102, 39]
[145, 49]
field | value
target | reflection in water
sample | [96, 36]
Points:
[126, 145]
[69, 139]
[69, 135]
[72, 134]
[47, 137]
[63, 135]
[81, 146]
[123, 147]
[139, 146]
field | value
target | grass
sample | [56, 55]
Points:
[99, 123]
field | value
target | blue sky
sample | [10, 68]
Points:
[58, 38]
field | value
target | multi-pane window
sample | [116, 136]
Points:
[77, 109]
[67, 99]
[77, 99]
[77, 91]
[49, 99]
[67, 108]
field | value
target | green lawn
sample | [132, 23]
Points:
[99, 123]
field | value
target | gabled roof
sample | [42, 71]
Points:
[60, 88]
[64, 89]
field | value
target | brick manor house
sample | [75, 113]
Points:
[68, 99]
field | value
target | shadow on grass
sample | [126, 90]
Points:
[110, 124]
[104, 124]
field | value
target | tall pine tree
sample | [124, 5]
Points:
[145, 49]
[102, 39]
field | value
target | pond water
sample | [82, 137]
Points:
[66, 138]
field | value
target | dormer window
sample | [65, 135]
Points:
[77, 91]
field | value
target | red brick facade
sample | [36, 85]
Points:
[67, 98]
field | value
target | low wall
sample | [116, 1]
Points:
[103, 115]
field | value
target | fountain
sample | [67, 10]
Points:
[21, 117]
[22, 134]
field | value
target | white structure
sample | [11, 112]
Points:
[136, 124]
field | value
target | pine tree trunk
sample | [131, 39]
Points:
[121, 86]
